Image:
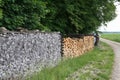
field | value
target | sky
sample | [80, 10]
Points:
[114, 25]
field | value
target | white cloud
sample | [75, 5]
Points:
[113, 25]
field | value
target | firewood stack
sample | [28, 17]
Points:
[73, 47]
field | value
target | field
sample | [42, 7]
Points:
[113, 36]
[94, 65]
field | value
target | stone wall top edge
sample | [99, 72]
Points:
[29, 32]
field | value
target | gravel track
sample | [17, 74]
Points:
[116, 68]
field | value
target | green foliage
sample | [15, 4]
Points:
[23, 13]
[66, 16]
[78, 16]
[0, 9]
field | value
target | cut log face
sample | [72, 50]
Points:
[73, 47]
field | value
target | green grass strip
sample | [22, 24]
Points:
[94, 65]
[113, 37]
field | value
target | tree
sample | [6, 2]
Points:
[0, 9]
[78, 16]
[57, 18]
[66, 16]
[23, 13]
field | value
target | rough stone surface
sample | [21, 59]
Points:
[24, 53]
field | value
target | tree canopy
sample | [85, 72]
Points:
[66, 16]
[0, 9]
[23, 13]
[78, 16]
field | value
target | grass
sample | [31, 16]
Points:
[113, 37]
[94, 65]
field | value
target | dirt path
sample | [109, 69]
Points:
[116, 67]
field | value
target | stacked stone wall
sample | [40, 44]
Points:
[24, 53]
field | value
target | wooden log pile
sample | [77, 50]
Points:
[73, 47]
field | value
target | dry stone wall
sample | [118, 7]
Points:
[24, 53]
[73, 47]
